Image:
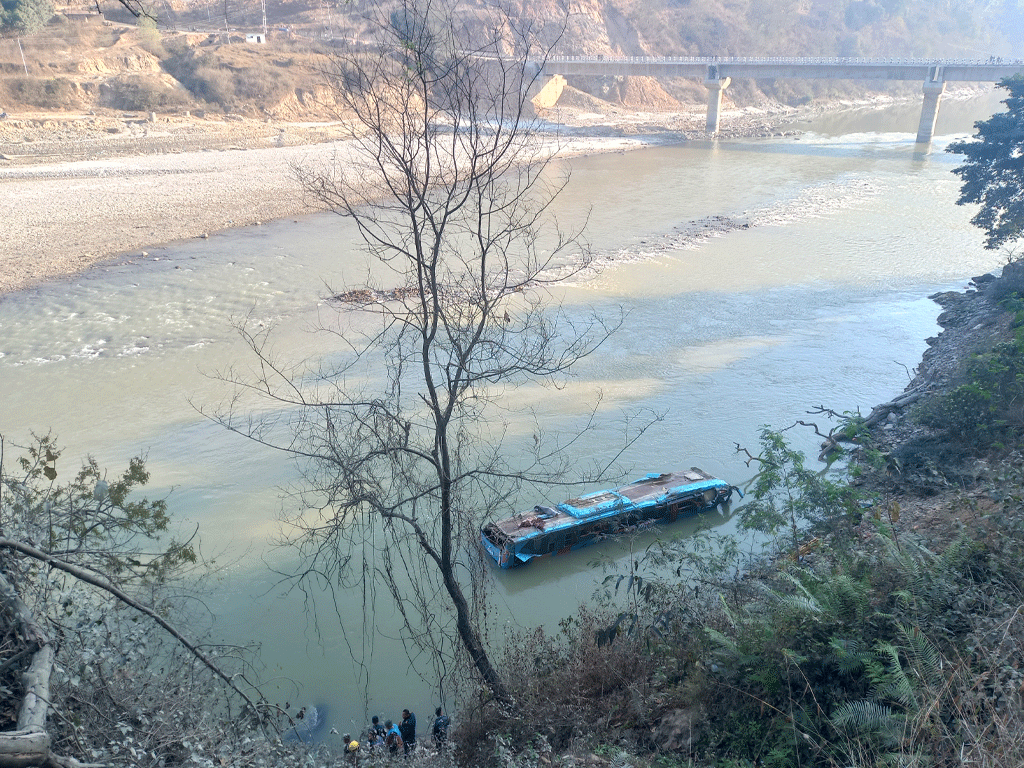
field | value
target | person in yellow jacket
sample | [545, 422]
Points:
[351, 748]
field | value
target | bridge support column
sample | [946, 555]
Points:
[715, 86]
[933, 88]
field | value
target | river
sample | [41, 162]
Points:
[821, 300]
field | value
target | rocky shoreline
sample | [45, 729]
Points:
[972, 321]
[940, 487]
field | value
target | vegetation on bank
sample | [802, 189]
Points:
[852, 637]
[845, 639]
[860, 642]
[865, 645]
[24, 16]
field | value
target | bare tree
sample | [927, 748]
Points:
[405, 438]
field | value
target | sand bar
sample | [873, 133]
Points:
[61, 218]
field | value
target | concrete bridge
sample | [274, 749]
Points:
[718, 73]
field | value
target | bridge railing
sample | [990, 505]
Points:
[810, 61]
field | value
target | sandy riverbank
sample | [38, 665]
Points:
[75, 191]
[62, 215]
[60, 219]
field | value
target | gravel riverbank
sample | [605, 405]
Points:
[73, 194]
[77, 190]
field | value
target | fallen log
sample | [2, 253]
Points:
[29, 745]
[879, 412]
[832, 441]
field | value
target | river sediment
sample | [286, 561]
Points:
[62, 217]
[79, 190]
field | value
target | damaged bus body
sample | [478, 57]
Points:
[595, 516]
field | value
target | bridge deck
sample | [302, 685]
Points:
[949, 70]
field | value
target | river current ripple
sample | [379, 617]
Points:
[759, 278]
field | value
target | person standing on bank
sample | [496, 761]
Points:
[408, 730]
[440, 729]
[351, 749]
[376, 734]
[393, 739]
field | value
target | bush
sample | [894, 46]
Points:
[56, 93]
[564, 684]
[24, 16]
[987, 410]
[230, 87]
[872, 650]
[84, 562]
[144, 95]
[262, 83]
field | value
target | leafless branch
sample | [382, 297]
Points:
[405, 440]
[91, 578]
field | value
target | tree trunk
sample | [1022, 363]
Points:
[471, 640]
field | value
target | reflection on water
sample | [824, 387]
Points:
[759, 279]
[958, 112]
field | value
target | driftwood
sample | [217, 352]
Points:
[878, 413]
[835, 436]
[90, 578]
[29, 745]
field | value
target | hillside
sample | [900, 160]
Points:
[194, 57]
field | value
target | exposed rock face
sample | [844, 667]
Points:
[91, 48]
[972, 322]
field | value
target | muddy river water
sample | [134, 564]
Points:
[821, 300]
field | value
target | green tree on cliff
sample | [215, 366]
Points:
[993, 172]
[24, 17]
[92, 660]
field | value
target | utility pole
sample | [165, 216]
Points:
[326, 5]
[22, 56]
[264, 4]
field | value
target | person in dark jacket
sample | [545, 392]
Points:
[440, 729]
[408, 730]
[375, 734]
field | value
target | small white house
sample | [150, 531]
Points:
[255, 37]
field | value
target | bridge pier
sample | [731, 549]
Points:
[715, 86]
[933, 88]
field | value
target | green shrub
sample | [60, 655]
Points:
[987, 410]
[787, 496]
[24, 16]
